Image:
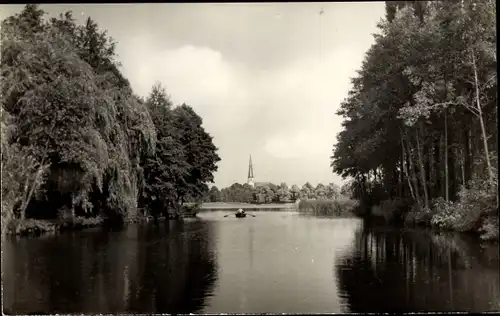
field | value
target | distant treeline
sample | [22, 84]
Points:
[76, 140]
[271, 193]
[420, 130]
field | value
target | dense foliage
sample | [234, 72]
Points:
[420, 122]
[185, 157]
[271, 193]
[76, 141]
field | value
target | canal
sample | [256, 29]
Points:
[275, 262]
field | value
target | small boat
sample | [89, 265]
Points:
[240, 213]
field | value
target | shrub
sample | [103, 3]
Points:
[80, 222]
[474, 212]
[390, 210]
[455, 216]
[489, 228]
[418, 216]
[444, 214]
[30, 227]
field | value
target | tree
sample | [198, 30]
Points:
[307, 191]
[283, 192]
[214, 194]
[202, 158]
[320, 191]
[168, 168]
[22, 176]
[346, 189]
[333, 191]
[295, 192]
[85, 141]
[422, 95]
[185, 159]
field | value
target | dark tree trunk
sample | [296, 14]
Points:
[421, 164]
[401, 175]
[427, 167]
[452, 180]
[395, 185]
[446, 158]
[467, 156]
[437, 168]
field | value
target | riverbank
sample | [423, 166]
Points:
[237, 205]
[38, 227]
[471, 216]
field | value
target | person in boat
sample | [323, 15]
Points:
[240, 211]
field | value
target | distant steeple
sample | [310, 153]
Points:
[250, 172]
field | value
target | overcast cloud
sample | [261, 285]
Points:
[266, 78]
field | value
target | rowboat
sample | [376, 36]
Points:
[240, 213]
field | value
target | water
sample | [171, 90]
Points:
[276, 262]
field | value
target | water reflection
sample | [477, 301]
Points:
[275, 262]
[136, 270]
[415, 271]
[278, 262]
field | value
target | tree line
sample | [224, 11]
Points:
[77, 141]
[272, 193]
[420, 138]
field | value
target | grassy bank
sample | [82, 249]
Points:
[37, 227]
[237, 205]
[338, 207]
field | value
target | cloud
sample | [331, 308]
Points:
[195, 75]
[297, 145]
[267, 79]
[281, 115]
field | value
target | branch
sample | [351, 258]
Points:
[32, 189]
[488, 81]
[469, 81]
[472, 110]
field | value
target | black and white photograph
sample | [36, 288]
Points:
[249, 158]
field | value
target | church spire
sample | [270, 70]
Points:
[250, 172]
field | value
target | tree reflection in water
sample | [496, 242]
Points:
[417, 270]
[144, 268]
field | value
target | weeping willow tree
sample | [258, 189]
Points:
[74, 115]
[76, 141]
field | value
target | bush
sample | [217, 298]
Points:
[456, 216]
[36, 227]
[445, 214]
[489, 228]
[474, 212]
[390, 210]
[80, 222]
[418, 216]
[30, 227]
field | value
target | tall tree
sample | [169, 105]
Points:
[202, 158]
[426, 94]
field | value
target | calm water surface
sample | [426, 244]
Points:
[276, 262]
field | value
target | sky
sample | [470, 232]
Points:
[267, 78]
